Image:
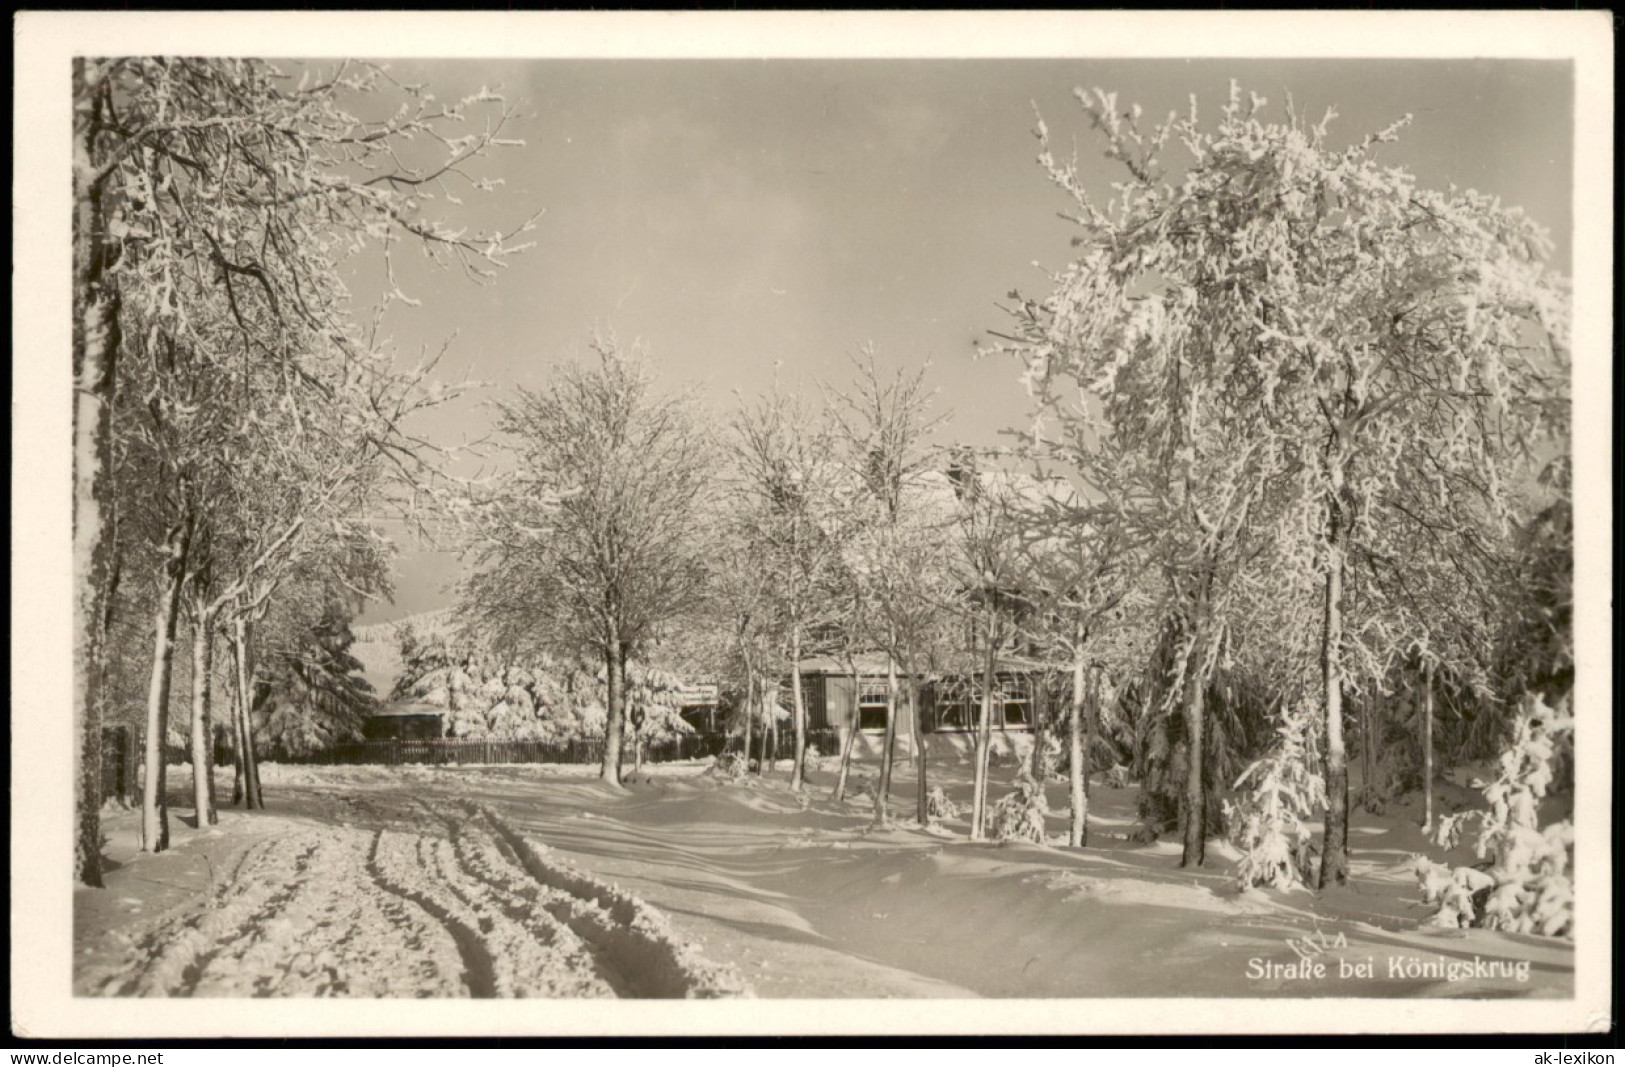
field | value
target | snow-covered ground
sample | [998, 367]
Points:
[540, 881]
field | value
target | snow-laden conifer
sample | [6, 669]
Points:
[1019, 816]
[1278, 793]
[1524, 884]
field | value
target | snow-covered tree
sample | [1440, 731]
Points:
[594, 544]
[1278, 795]
[1019, 815]
[1086, 595]
[1320, 348]
[991, 573]
[897, 556]
[214, 199]
[786, 501]
[1524, 885]
[312, 694]
[654, 709]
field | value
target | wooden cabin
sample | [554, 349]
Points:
[841, 696]
[415, 721]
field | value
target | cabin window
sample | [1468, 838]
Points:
[702, 717]
[956, 710]
[872, 705]
[812, 700]
[1018, 701]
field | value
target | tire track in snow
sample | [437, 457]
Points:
[479, 971]
[483, 854]
[636, 938]
[338, 911]
[338, 938]
[177, 951]
[531, 958]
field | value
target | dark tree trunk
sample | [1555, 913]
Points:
[750, 711]
[798, 772]
[1078, 832]
[1334, 859]
[96, 341]
[236, 757]
[770, 728]
[1193, 809]
[922, 789]
[213, 729]
[984, 738]
[616, 664]
[1037, 764]
[244, 716]
[154, 805]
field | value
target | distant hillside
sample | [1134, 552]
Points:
[378, 646]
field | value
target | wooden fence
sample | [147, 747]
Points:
[441, 752]
[121, 753]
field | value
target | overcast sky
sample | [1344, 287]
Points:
[743, 218]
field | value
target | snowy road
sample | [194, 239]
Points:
[343, 911]
[453, 882]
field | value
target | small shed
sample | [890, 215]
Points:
[407, 721]
[698, 705]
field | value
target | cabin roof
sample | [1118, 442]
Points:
[872, 664]
[406, 708]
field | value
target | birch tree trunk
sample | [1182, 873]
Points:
[1091, 724]
[770, 735]
[202, 728]
[761, 731]
[883, 789]
[1078, 832]
[1334, 859]
[798, 772]
[1427, 749]
[154, 807]
[851, 738]
[984, 739]
[750, 711]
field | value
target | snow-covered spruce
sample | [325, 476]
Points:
[729, 765]
[1019, 816]
[1278, 793]
[639, 936]
[1524, 886]
[938, 805]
